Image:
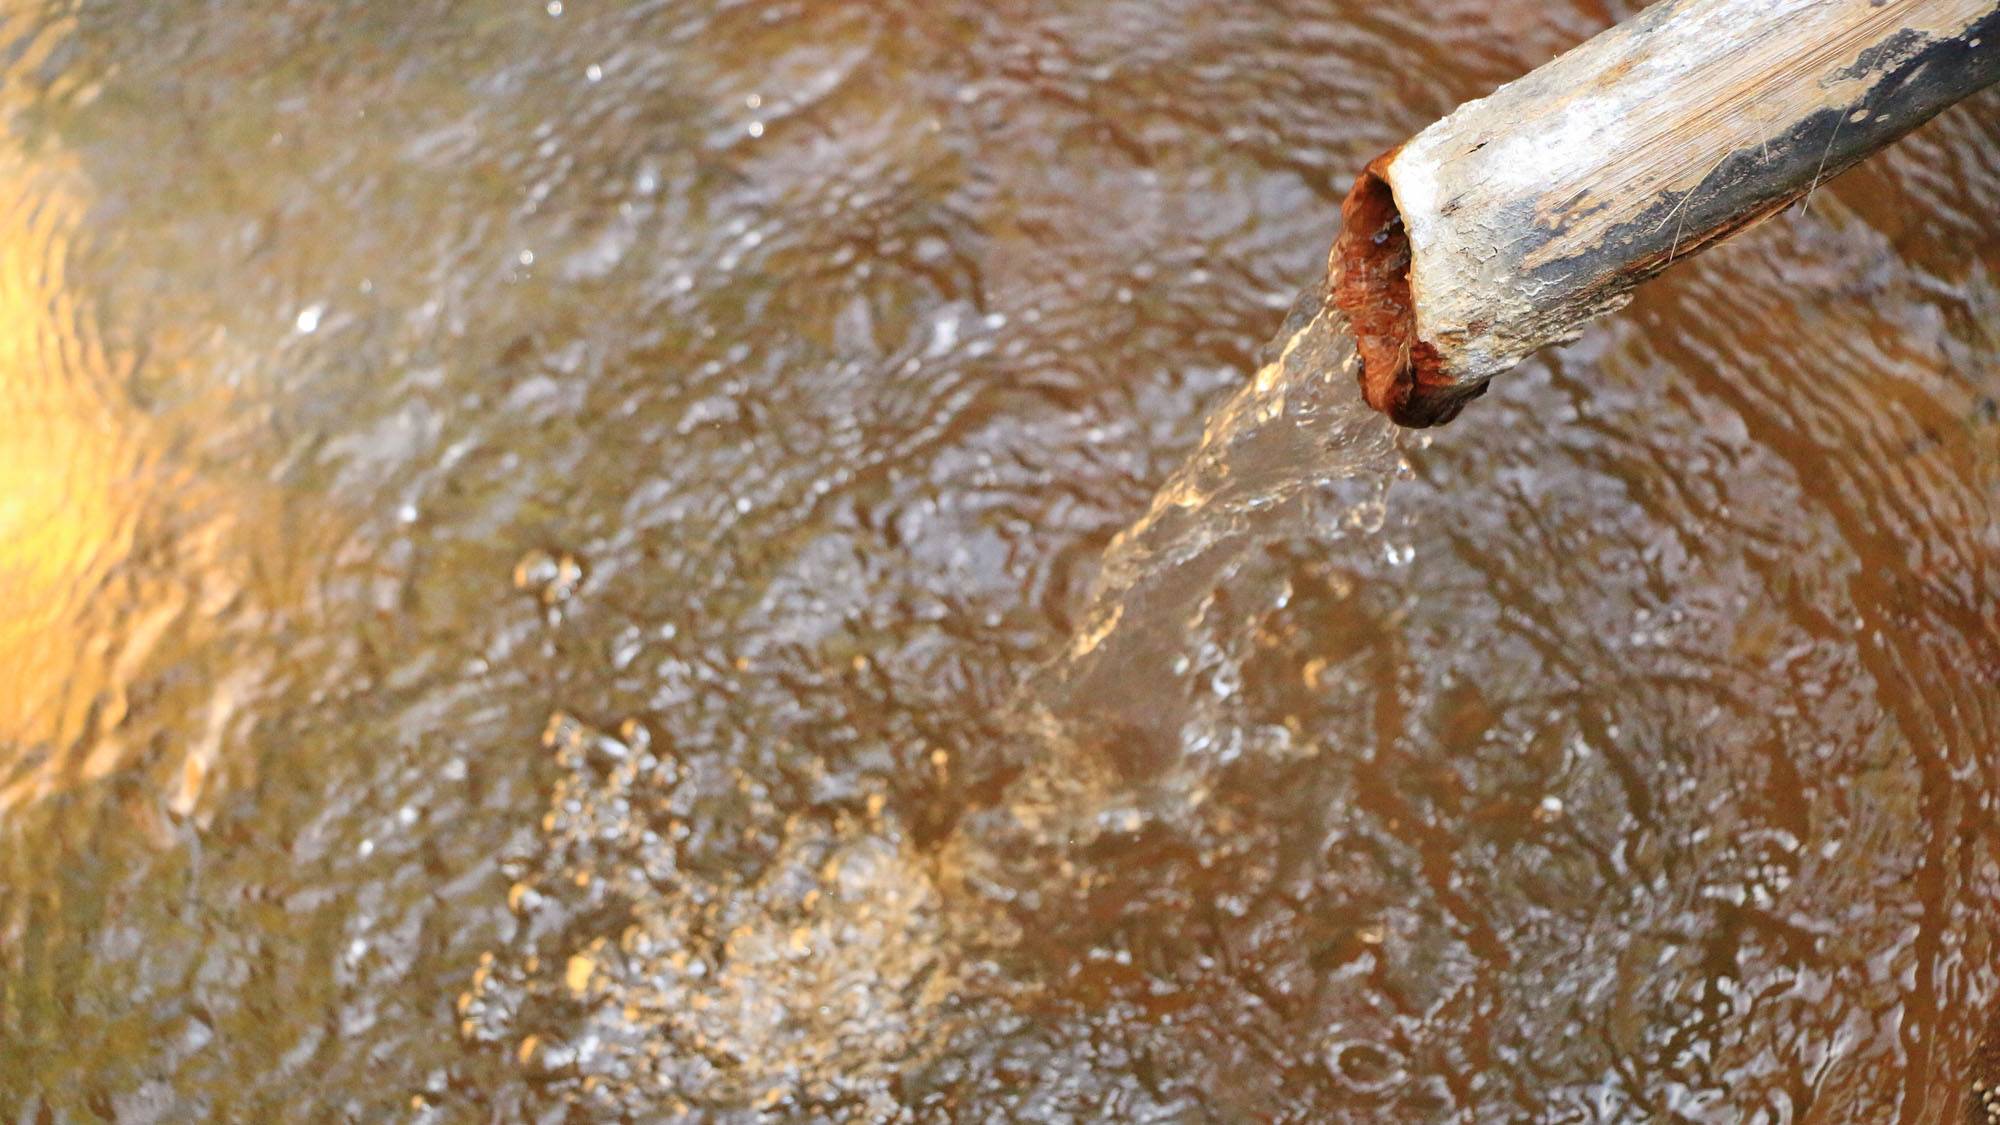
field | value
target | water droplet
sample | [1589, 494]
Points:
[578, 972]
[1126, 820]
[308, 321]
[554, 7]
[594, 73]
[564, 731]
[755, 128]
[635, 735]
[521, 897]
[553, 578]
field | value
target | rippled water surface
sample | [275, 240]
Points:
[553, 567]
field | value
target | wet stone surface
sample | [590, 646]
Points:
[553, 567]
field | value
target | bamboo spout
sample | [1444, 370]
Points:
[1508, 224]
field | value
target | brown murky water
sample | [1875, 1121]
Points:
[546, 565]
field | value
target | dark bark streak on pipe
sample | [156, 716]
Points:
[1758, 182]
[1400, 374]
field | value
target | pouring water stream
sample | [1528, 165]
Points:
[1130, 719]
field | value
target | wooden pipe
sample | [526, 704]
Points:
[1507, 225]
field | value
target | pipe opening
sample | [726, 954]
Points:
[1401, 375]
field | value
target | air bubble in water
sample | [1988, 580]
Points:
[1365, 1067]
[1367, 517]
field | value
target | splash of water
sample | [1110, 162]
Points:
[1130, 723]
[1293, 456]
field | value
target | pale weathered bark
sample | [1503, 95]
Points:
[1508, 224]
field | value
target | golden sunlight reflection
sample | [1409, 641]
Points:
[68, 467]
[120, 560]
